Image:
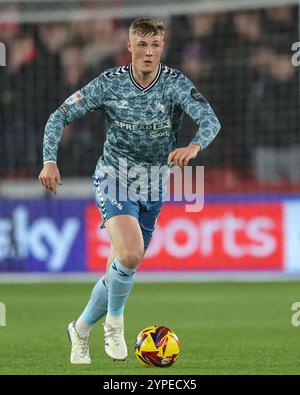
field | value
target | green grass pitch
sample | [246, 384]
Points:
[224, 328]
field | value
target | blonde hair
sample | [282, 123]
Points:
[147, 26]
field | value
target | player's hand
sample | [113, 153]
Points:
[182, 156]
[50, 176]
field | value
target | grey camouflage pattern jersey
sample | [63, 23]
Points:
[143, 124]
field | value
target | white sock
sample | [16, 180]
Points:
[81, 327]
[114, 320]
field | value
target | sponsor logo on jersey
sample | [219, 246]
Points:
[197, 96]
[159, 134]
[74, 98]
[123, 104]
[166, 124]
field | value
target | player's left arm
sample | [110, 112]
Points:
[198, 108]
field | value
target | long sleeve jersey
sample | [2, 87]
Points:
[143, 124]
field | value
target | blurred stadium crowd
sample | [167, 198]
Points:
[240, 61]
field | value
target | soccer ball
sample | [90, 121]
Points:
[157, 346]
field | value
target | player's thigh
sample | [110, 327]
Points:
[127, 239]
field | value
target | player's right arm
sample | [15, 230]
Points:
[87, 99]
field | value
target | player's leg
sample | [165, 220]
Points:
[79, 329]
[97, 305]
[130, 237]
[126, 237]
[148, 219]
[111, 257]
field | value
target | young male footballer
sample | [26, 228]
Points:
[144, 103]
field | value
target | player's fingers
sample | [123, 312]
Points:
[47, 183]
[41, 180]
[53, 185]
[181, 159]
[176, 157]
[186, 160]
[171, 156]
[58, 180]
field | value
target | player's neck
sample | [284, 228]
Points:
[144, 79]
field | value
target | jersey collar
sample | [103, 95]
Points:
[150, 85]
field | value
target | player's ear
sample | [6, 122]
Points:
[129, 46]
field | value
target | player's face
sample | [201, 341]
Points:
[146, 51]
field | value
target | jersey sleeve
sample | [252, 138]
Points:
[197, 107]
[87, 99]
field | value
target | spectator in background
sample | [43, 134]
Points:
[53, 36]
[121, 55]
[237, 60]
[281, 26]
[9, 30]
[246, 36]
[50, 40]
[107, 39]
[20, 107]
[199, 67]
[202, 30]
[74, 70]
[196, 63]
[273, 117]
[179, 34]
[118, 59]
[82, 30]
[78, 141]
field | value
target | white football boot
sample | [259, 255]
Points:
[114, 342]
[80, 346]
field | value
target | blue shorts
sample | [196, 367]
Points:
[145, 211]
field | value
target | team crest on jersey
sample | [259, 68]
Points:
[123, 104]
[159, 106]
[74, 98]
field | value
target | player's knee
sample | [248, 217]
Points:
[131, 259]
